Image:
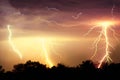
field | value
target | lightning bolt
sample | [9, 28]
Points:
[105, 26]
[96, 44]
[45, 51]
[107, 51]
[12, 44]
[107, 44]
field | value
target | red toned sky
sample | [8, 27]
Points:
[62, 25]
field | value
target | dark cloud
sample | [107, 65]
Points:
[89, 8]
[62, 4]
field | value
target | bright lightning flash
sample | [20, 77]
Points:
[105, 26]
[45, 51]
[12, 44]
[45, 42]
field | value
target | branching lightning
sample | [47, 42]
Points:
[12, 44]
[107, 45]
[105, 26]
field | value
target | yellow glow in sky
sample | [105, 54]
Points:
[106, 23]
[46, 53]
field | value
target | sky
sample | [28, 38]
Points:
[58, 28]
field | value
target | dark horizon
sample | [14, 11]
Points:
[37, 71]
